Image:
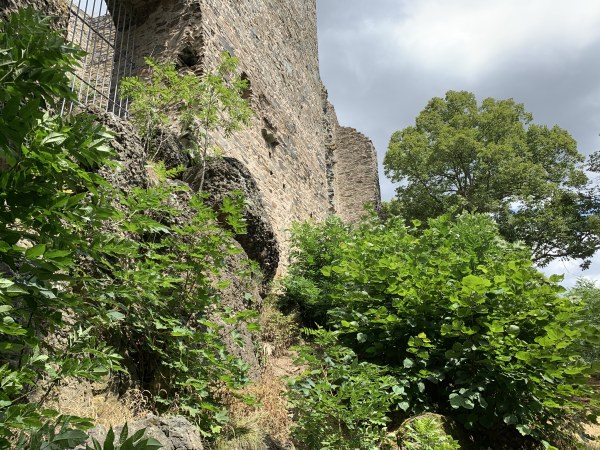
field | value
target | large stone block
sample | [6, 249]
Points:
[221, 177]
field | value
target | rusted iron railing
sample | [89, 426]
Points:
[104, 30]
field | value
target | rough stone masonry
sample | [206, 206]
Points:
[305, 165]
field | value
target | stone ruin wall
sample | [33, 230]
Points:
[284, 146]
[356, 180]
[352, 168]
[305, 164]
[57, 8]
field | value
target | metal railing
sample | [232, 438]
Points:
[104, 30]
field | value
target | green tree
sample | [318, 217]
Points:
[586, 293]
[491, 158]
[203, 104]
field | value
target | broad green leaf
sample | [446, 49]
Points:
[54, 138]
[70, 438]
[513, 330]
[496, 327]
[35, 251]
[477, 284]
[116, 315]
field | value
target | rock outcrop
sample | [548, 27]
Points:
[55, 8]
[174, 432]
[225, 175]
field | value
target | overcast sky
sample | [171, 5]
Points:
[382, 60]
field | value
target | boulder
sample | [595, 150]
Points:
[174, 433]
[130, 153]
[224, 175]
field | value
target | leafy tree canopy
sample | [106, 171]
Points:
[491, 158]
[586, 293]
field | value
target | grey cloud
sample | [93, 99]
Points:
[378, 95]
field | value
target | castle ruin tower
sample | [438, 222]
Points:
[304, 164]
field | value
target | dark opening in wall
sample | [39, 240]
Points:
[187, 57]
[247, 92]
[269, 138]
[269, 133]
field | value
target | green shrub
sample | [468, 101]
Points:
[463, 320]
[158, 289]
[312, 248]
[55, 433]
[340, 403]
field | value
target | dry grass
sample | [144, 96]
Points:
[243, 434]
[278, 331]
[252, 426]
[81, 399]
[593, 431]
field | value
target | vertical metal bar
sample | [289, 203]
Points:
[119, 53]
[87, 41]
[91, 72]
[84, 40]
[129, 31]
[78, 22]
[128, 66]
[109, 107]
[69, 39]
[109, 62]
[73, 24]
[104, 21]
[109, 46]
[119, 57]
[100, 53]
